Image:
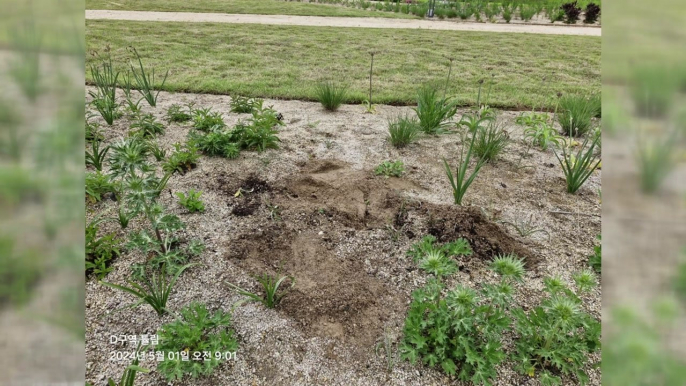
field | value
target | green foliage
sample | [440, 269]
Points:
[92, 130]
[100, 251]
[474, 122]
[653, 88]
[176, 113]
[259, 133]
[19, 271]
[128, 156]
[191, 201]
[156, 151]
[460, 332]
[206, 120]
[183, 159]
[577, 168]
[390, 169]
[595, 260]
[134, 107]
[217, 143]
[543, 135]
[490, 141]
[532, 118]
[241, 104]
[432, 111]
[146, 80]
[656, 159]
[147, 126]
[96, 157]
[576, 114]
[403, 130]
[556, 336]
[330, 95]
[154, 288]
[97, 185]
[436, 259]
[195, 331]
[105, 97]
[460, 182]
[270, 286]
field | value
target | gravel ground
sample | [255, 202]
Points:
[353, 280]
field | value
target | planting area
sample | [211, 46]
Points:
[315, 211]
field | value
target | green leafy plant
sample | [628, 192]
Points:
[100, 251]
[108, 109]
[656, 159]
[474, 122]
[153, 289]
[436, 259]
[129, 155]
[461, 332]
[191, 201]
[206, 120]
[578, 167]
[543, 135]
[96, 157]
[176, 113]
[183, 159]
[217, 143]
[146, 125]
[460, 182]
[330, 95]
[97, 185]
[403, 130]
[557, 335]
[105, 97]
[158, 152]
[653, 88]
[241, 104]
[508, 10]
[92, 129]
[195, 333]
[270, 286]
[595, 260]
[432, 111]
[133, 106]
[491, 141]
[146, 80]
[576, 114]
[390, 169]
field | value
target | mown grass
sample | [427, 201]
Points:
[258, 7]
[288, 61]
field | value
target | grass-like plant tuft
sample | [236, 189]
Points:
[578, 167]
[331, 95]
[433, 112]
[576, 114]
[146, 80]
[403, 130]
[460, 182]
[491, 140]
[270, 286]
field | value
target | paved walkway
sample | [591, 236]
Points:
[326, 21]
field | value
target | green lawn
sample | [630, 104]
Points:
[260, 7]
[287, 61]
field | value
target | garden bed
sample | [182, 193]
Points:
[313, 209]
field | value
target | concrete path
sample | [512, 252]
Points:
[326, 21]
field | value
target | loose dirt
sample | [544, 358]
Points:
[327, 21]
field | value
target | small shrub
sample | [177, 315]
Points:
[572, 12]
[100, 251]
[206, 120]
[242, 105]
[270, 285]
[556, 336]
[507, 13]
[146, 80]
[491, 141]
[595, 261]
[543, 135]
[527, 12]
[191, 201]
[147, 126]
[154, 288]
[217, 143]
[592, 13]
[176, 113]
[460, 333]
[575, 116]
[195, 333]
[330, 95]
[96, 158]
[432, 111]
[577, 168]
[98, 185]
[390, 169]
[183, 159]
[460, 182]
[403, 130]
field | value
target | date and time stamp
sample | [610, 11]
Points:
[146, 351]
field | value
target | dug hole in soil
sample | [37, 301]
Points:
[314, 210]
